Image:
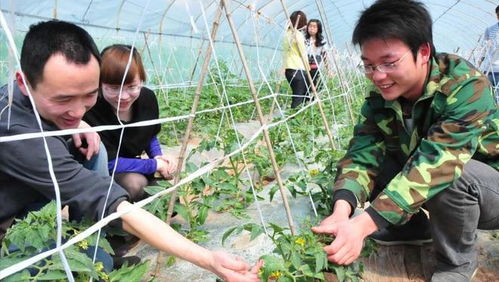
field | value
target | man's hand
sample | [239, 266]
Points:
[233, 268]
[341, 212]
[349, 237]
[166, 166]
[92, 140]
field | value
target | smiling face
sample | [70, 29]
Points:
[408, 76]
[66, 90]
[122, 102]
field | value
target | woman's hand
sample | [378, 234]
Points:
[166, 166]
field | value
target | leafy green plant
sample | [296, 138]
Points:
[37, 232]
[300, 257]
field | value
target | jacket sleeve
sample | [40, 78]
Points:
[154, 148]
[83, 190]
[142, 166]
[360, 165]
[439, 159]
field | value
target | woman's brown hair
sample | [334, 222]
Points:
[114, 61]
[298, 19]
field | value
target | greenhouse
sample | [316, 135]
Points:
[230, 151]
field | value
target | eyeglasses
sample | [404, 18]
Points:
[114, 90]
[384, 68]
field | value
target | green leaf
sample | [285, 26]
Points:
[320, 261]
[78, 262]
[183, 212]
[340, 273]
[256, 230]
[153, 190]
[307, 270]
[170, 260]
[133, 273]
[8, 261]
[276, 228]
[271, 264]
[229, 232]
[272, 192]
[19, 276]
[52, 275]
[296, 260]
[103, 243]
[202, 215]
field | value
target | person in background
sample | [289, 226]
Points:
[316, 46]
[427, 136]
[295, 58]
[132, 103]
[60, 72]
[490, 62]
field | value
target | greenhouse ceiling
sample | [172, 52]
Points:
[458, 24]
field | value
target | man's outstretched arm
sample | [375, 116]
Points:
[160, 235]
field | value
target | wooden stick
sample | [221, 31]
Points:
[261, 118]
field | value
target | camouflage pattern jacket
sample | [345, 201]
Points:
[455, 119]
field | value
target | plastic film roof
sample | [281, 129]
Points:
[457, 23]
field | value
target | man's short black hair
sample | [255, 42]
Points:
[406, 20]
[497, 10]
[51, 37]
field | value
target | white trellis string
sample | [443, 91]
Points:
[130, 57]
[99, 128]
[264, 78]
[274, 96]
[224, 92]
[57, 192]
[104, 221]
[191, 18]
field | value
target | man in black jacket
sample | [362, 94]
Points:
[60, 75]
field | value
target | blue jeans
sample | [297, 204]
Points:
[98, 163]
[494, 80]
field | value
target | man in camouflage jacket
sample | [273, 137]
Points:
[430, 124]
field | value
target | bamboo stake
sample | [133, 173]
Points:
[183, 149]
[314, 90]
[261, 118]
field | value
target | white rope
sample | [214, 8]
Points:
[264, 78]
[99, 128]
[104, 221]
[224, 92]
[12, 45]
[127, 68]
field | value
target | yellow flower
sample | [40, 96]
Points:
[104, 276]
[300, 241]
[99, 266]
[313, 172]
[275, 275]
[83, 244]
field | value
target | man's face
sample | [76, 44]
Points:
[66, 91]
[405, 77]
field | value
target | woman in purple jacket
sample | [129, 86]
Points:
[132, 103]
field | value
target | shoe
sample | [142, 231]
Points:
[122, 244]
[454, 275]
[118, 262]
[415, 232]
